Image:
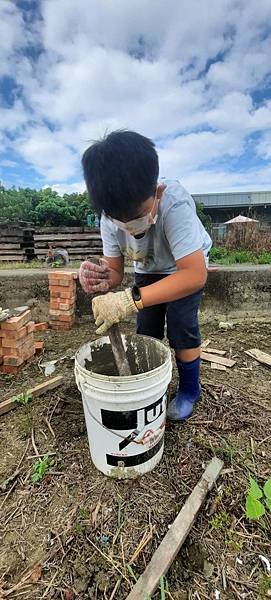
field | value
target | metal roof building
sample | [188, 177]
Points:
[224, 206]
[234, 199]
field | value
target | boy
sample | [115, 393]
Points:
[156, 225]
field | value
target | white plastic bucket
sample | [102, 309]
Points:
[125, 416]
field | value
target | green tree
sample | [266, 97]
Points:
[55, 211]
[205, 219]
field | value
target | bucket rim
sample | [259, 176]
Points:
[117, 378]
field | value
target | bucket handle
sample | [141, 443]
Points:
[122, 437]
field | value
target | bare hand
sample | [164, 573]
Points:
[94, 277]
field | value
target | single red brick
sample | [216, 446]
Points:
[66, 318]
[61, 326]
[13, 342]
[10, 351]
[41, 326]
[66, 306]
[8, 369]
[30, 327]
[54, 312]
[17, 334]
[60, 275]
[26, 348]
[60, 283]
[54, 304]
[13, 361]
[39, 346]
[67, 294]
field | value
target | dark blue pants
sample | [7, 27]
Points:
[181, 317]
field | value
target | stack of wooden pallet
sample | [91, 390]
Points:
[16, 242]
[80, 242]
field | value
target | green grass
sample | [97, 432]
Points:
[222, 256]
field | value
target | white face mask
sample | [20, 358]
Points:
[138, 226]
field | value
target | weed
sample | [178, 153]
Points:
[264, 586]
[233, 542]
[41, 467]
[23, 399]
[80, 524]
[264, 258]
[231, 256]
[164, 591]
[220, 521]
[258, 499]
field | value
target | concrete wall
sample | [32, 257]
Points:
[230, 292]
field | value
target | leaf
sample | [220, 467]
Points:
[162, 588]
[254, 489]
[268, 503]
[267, 489]
[254, 508]
[36, 575]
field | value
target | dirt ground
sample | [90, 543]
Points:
[77, 534]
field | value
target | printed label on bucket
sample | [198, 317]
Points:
[138, 435]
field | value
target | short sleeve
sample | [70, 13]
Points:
[182, 229]
[110, 243]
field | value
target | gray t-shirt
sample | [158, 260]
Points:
[177, 233]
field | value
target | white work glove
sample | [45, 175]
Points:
[93, 277]
[4, 314]
[112, 308]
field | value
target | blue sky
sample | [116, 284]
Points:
[193, 76]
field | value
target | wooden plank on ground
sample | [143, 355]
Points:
[175, 537]
[220, 360]
[204, 344]
[218, 367]
[36, 391]
[215, 351]
[260, 356]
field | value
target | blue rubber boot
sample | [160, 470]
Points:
[181, 407]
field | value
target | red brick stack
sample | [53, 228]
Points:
[62, 286]
[16, 341]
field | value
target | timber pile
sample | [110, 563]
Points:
[80, 242]
[16, 242]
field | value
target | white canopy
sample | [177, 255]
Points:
[241, 219]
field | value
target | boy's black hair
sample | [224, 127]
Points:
[121, 172]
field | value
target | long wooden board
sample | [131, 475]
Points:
[175, 537]
[55, 237]
[215, 351]
[36, 391]
[220, 360]
[260, 356]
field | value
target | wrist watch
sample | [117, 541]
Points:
[137, 297]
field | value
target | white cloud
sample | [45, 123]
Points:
[264, 146]
[182, 73]
[11, 164]
[51, 158]
[12, 34]
[69, 188]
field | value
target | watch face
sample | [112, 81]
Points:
[136, 293]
